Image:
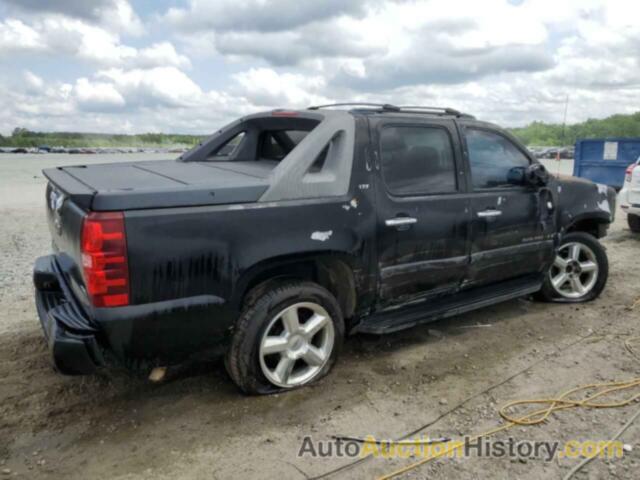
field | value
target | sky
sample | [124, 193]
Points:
[192, 66]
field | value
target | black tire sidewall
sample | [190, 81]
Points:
[550, 294]
[243, 362]
[634, 222]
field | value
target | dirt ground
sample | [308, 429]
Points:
[450, 375]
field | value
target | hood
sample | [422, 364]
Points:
[571, 180]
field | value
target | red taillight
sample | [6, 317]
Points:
[629, 172]
[104, 259]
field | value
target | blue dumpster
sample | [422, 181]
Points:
[605, 160]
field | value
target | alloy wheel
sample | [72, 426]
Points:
[574, 272]
[296, 345]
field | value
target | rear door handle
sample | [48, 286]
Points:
[400, 221]
[490, 213]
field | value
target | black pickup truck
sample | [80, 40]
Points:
[286, 230]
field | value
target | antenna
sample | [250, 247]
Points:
[564, 120]
[564, 128]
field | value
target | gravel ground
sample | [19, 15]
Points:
[452, 375]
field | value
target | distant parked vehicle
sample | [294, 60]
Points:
[630, 196]
[565, 153]
[605, 160]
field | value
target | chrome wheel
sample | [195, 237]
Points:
[574, 272]
[296, 345]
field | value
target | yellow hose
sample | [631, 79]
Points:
[562, 402]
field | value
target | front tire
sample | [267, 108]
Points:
[579, 272]
[286, 337]
[634, 222]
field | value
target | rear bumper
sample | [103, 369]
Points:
[70, 334]
[134, 336]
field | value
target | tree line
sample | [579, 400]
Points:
[24, 138]
[554, 134]
[534, 134]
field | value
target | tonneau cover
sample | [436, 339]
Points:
[158, 184]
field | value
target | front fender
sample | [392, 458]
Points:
[580, 200]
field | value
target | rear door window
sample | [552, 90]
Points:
[417, 160]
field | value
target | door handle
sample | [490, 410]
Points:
[490, 213]
[400, 221]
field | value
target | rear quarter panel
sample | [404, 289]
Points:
[177, 253]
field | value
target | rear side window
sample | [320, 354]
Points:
[491, 158]
[228, 149]
[417, 160]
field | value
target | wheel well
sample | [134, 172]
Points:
[592, 226]
[332, 273]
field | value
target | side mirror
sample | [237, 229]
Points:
[517, 176]
[536, 175]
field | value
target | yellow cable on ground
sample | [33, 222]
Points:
[562, 402]
[627, 344]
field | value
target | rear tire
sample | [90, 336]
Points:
[634, 222]
[286, 337]
[579, 272]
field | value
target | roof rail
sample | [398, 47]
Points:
[448, 111]
[394, 108]
[383, 106]
[444, 110]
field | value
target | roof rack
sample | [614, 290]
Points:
[384, 106]
[448, 111]
[394, 108]
[436, 110]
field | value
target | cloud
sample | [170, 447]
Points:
[425, 43]
[114, 14]
[32, 82]
[16, 35]
[415, 67]
[508, 62]
[160, 54]
[294, 46]
[159, 86]
[397, 42]
[602, 50]
[64, 36]
[264, 87]
[161, 99]
[72, 8]
[97, 96]
[258, 15]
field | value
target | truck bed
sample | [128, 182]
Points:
[161, 184]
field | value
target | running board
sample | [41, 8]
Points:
[428, 311]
